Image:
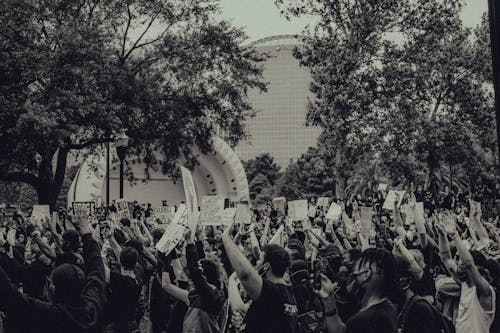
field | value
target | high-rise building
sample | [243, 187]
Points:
[279, 127]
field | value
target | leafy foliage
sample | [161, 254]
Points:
[403, 82]
[74, 74]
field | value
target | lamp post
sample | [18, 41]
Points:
[121, 144]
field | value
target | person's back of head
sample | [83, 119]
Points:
[125, 222]
[278, 258]
[68, 281]
[128, 258]
[383, 274]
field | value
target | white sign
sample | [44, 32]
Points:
[323, 202]
[122, 210]
[279, 205]
[366, 214]
[40, 214]
[191, 198]
[164, 213]
[172, 236]
[88, 206]
[312, 211]
[228, 216]
[212, 208]
[334, 212]
[297, 210]
[243, 214]
[391, 198]
[382, 187]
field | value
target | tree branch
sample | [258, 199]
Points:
[86, 144]
[135, 46]
[20, 177]
[125, 34]
[60, 169]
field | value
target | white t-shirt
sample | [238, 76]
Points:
[471, 315]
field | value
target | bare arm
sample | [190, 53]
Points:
[249, 277]
[175, 291]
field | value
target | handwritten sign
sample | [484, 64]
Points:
[88, 206]
[191, 198]
[391, 198]
[297, 210]
[212, 207]
[164, 213]
[122, 209]
[382, 187]
[173, 235]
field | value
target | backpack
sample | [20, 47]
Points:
[443, 323]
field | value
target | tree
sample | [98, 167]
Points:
[366, 178]
[74, 74]
[401, 81]
[309, 176]
[260, 189]
[262, 164]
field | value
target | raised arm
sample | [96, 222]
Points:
[418, 215]
[249, 277]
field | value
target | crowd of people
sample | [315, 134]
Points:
[430, 268]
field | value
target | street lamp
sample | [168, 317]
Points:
[121, 144]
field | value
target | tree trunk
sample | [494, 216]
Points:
[340, 180]
[49, 185]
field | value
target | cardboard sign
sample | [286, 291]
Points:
[366, 214]
[334, 212]
[391, 198]
[40, 214]
[88, 206]
[164, 213]
[297, 210]
[243, 214]
[172, 236]
[191, 198]
[323, 202]
[180, 216]
[279, 204]
[212, 208]
[228, 216]
[122, 210]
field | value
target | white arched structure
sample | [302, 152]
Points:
[217, 173]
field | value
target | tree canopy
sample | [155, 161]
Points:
[402, 82]
[74, 74]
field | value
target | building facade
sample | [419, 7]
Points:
[279, 126]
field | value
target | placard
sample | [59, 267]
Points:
[88, 206]
[323, 202]
[243, 214]
[279, 204]
[366, 214]
[382, 187]
[212, 208]
[228, 216]
[318, 232]
[180, 216]
[297, 210]
[334, 212]
[191, 198]
[391, 198]
[278, 237]
[40, 214]
[173, 235]
[122, 209]
[164, 213]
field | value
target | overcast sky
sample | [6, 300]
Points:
[261, 18]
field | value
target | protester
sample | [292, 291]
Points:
[420, 263]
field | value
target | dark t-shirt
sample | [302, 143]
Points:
[419, 319]
[123, 298]
[275, 311]
[377, 318]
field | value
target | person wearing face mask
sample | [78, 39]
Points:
[274, 308]
[373, 280]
